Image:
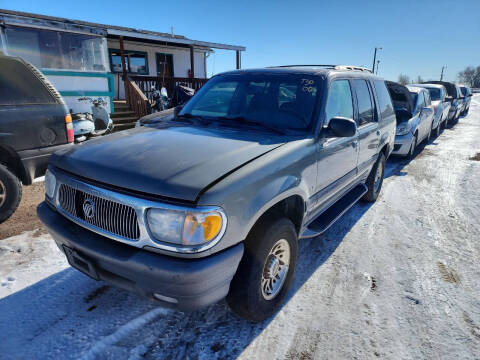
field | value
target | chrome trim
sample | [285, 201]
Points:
[141, 206]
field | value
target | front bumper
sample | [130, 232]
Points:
[185, 284]
[402, 144]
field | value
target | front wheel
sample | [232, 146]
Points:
[413, 147]
[266, 270]
[375, 179]
[437, 131]
[10, 193]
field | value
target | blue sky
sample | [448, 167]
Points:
[418, 37]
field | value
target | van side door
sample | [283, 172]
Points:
[337, 156]
[367, 122]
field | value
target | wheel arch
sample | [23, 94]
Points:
[11, 160]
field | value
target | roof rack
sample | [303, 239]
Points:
[352, 67]
[336, 67]
[310, 65]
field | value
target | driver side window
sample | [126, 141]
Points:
[339, 102]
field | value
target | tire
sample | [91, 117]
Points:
[247, 296]
[375, 180]
[10, 193]
[411, 153]
[437, 130]
[429, 136]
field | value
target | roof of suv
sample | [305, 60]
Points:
[311, 69]
[415, 89]
[433, 86]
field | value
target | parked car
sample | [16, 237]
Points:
[467, 94]
[34, 122]
[454, 96]
[441, 106]
[212, 203]
[414, 114]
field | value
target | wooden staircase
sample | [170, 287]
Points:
[123, 116]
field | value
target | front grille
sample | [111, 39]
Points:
[111, 216]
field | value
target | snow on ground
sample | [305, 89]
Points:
[399, 279]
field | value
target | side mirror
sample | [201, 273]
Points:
[342, 127]
[177, 109]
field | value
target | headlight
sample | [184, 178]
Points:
[50, 183]
[185, 227]
[403, 129]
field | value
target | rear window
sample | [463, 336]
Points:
[384, 99]
[19, 85]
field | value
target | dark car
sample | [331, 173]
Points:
[467, 94]
[34, 122]
[211, 204]
[455, 97]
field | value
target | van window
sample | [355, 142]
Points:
[364, 101]
[339, 101]
[384, 99]
[18, 85]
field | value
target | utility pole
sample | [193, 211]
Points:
[441, 75]
[375, 58]
[376, 70]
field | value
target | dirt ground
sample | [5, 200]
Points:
[25, 218]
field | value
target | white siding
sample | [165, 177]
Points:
[181, 60]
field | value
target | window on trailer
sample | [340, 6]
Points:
[48, 49]
[135, 61]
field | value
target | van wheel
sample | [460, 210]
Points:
[10, 193]
[266, 270]
[437, 132]
[375, 180]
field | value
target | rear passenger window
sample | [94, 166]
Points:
[18, 85]
[384, 99]
[364, 101]
[339, 102]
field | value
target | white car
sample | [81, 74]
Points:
[414, 112]
[441, 106]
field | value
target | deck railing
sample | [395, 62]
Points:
[134, 96]
[146, 83]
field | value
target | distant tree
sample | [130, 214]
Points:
[470, 76]
[419, 80]
[403, 79]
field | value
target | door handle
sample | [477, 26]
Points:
[378, 133]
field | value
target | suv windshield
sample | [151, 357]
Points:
[434, 93]
[283, 102]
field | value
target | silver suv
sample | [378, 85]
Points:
[212, 202]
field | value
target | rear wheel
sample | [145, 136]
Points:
[413, 147]
[10, 193]
[437, 130]
[375, 179]
[266, 270]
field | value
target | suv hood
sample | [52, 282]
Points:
[175, 162]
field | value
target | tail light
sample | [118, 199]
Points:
[69, 127]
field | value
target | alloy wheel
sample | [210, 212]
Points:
[275, 269]
[3, 193]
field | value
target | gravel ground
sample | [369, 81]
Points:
[398, 279]
[25, 218]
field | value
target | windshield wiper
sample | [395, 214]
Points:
[191, 117]
[246, 121]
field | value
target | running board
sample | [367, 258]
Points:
[329, 216]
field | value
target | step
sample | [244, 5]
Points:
[329, 216]
[120, 127]
[125, 119]
[118, 114]
[121, 108]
